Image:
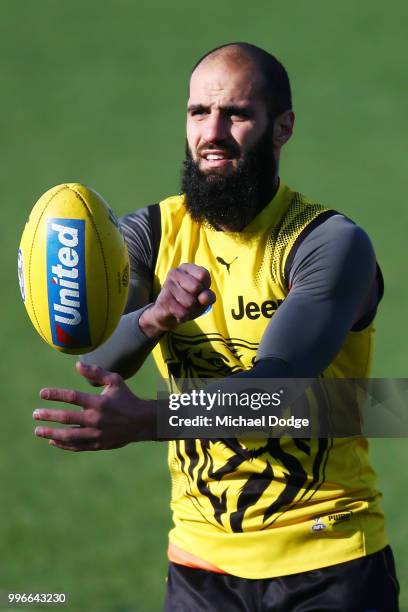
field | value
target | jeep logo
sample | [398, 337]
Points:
[252, 310]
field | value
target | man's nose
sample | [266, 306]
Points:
[217, 127]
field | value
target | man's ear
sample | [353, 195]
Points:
[283, 128]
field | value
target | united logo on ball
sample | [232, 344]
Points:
[67, 305]
[73, 268]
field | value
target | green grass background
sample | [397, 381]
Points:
[95, 92]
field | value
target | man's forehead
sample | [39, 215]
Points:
[229, 79]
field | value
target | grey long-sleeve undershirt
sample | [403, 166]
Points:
[333, 287]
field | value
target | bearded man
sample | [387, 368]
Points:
[242, 276]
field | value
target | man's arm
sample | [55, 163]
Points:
[333, 286]
[117, 416]
[184, 295]
[128, 347]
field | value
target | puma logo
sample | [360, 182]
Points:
[225, 263]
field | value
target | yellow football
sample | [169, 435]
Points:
[73, 268]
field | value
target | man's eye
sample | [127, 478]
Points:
[240, 116]
[197, 112]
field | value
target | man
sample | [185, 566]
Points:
[241, 276]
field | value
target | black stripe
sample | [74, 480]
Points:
[155, 223]
[249, 495]
[380, 281]
[219, 504]
[295, 478]
[321, 218]
[370, 315]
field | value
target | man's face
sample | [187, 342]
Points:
[230, 169]
[226, 115]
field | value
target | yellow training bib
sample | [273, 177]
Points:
[276, 506]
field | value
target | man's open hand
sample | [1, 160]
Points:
[184, 296]
[109, 420]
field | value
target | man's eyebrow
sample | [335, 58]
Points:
[237, 109]
[231, 109]
[196, 107]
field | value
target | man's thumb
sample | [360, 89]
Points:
[98, 375]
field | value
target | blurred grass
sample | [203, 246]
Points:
[95, 92]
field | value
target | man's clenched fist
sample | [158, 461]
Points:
[184, 296]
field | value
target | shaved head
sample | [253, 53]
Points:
[236, 54]
[274, 79]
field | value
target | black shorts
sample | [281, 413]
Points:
[368, 584]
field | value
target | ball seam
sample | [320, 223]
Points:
[29, 259]
[84, 202]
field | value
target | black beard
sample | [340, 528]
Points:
[231, 201]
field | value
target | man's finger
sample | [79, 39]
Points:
[68, 435]
[66, 417]
[183, 297]
[189, 282]
[200, 273]
[98, 375]
[207, 297]
[69, 396]
[75, 448]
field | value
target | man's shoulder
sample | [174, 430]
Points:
[320, 232]
[335, 220]
[173, 209]
[144, 227]
[174, 201]
[301, 204]
[144, 214]
[169, 206]
[142, 232]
